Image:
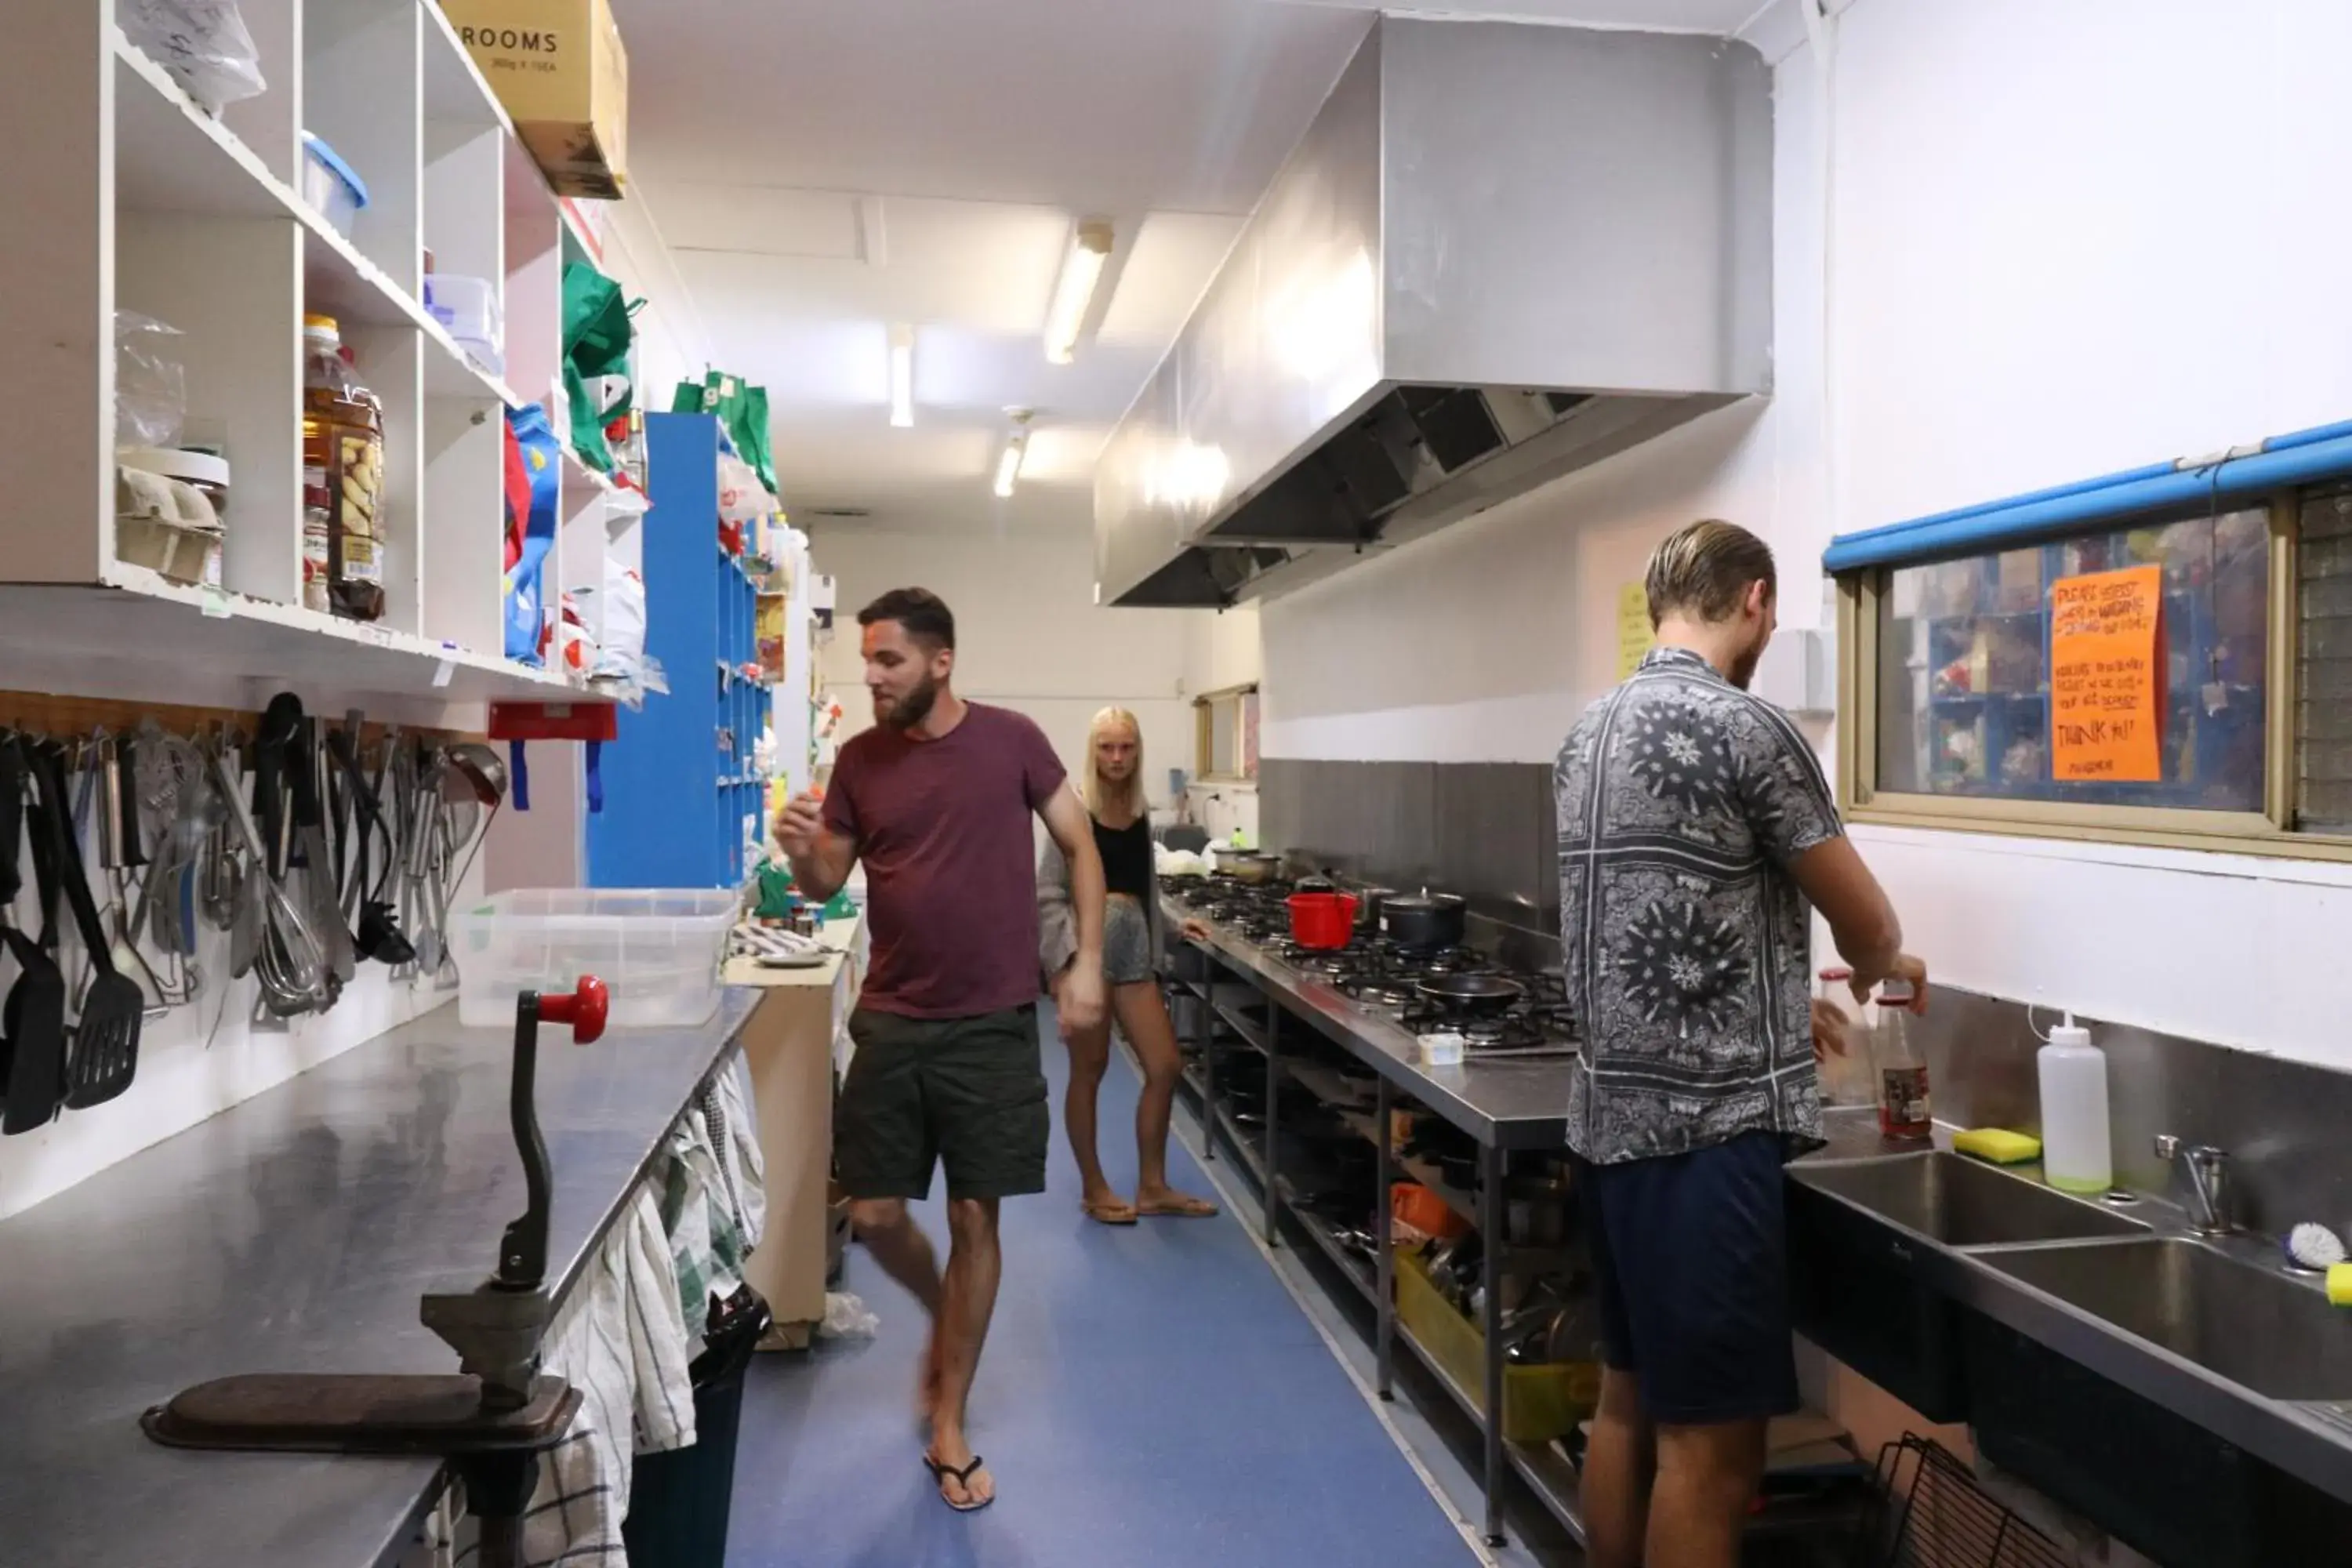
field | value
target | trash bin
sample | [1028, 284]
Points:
[678, 1501]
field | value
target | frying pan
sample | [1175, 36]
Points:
[1478, 995]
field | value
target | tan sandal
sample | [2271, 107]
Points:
[1112, 1213]
[1182, 1205]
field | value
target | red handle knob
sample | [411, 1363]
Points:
[584, 1009]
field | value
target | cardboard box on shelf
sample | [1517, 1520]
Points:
[559, 68]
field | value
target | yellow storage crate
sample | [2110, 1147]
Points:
[1540, 1403]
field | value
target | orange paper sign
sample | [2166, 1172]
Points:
[2106, 677]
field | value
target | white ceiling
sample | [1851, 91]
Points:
[823, 168]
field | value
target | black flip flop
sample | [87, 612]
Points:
[940, 1473]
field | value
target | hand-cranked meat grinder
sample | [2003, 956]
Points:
[490, 1420]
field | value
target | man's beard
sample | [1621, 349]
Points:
[1743, 665]
[912, 709]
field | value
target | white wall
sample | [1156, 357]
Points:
[197, 1060]
[1028, 634]
[2069, 236]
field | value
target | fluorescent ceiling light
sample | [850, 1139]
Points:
[902, 376]
[1074, 294]
[1008, 463]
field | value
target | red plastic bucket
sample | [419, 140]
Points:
[1322, 919]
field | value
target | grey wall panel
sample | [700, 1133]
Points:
[1480, 830]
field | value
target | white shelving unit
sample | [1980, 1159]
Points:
[129, 196]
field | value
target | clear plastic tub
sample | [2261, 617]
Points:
[659, 950]
[468, 307]
[331, 186]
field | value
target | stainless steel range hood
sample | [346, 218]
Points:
[1501, 252]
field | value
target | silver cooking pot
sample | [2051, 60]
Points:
[1249, 865]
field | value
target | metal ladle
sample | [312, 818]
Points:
[468, 773]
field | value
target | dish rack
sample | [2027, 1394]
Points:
[1933, 1514]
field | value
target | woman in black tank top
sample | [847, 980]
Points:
[1113, 788]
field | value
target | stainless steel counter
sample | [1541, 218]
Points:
[1509, 1104]
[295, 1233]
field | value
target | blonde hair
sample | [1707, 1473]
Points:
[1097, 790]
[1705, 569]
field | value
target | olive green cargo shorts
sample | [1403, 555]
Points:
[969, 1093]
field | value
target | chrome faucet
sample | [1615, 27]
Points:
[2209, 1183]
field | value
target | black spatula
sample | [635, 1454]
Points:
[106, 1041]
[34, 1016]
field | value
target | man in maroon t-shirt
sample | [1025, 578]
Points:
[936, 799]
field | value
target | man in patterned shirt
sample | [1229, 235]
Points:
[1695, 829]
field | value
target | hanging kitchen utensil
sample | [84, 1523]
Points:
[469, 783]
[182, 795]
[321, 900]
[379, 936]
[120, 857]
[105, 1052]
[423, 817]
[298, 976]
[286, 956]
[34, 1018]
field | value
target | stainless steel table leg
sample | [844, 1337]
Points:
[1490, 1227]
[1383, 1259]
[1272, 1102]
[1206, 1022]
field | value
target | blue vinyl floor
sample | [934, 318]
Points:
[1149, 1395]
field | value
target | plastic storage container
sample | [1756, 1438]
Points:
[659, 950]
[1540, 1401]
[469, 307]
[331, 185]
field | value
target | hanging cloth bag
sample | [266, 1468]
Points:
[597, 335]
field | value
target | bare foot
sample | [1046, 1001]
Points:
[1168, 1201]
[965, 1484]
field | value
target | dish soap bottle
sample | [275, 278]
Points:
[1903, 1112]
[2077, 1153]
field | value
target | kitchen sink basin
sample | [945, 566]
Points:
[2253, 1325]
[1963, 1203]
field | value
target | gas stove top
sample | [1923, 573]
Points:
[1383, 977]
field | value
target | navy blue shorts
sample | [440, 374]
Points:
[1691, 1257]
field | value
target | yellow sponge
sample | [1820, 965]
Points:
[1998, 1145]
[2339, 1284]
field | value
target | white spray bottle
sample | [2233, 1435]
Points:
[2077, 1155]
